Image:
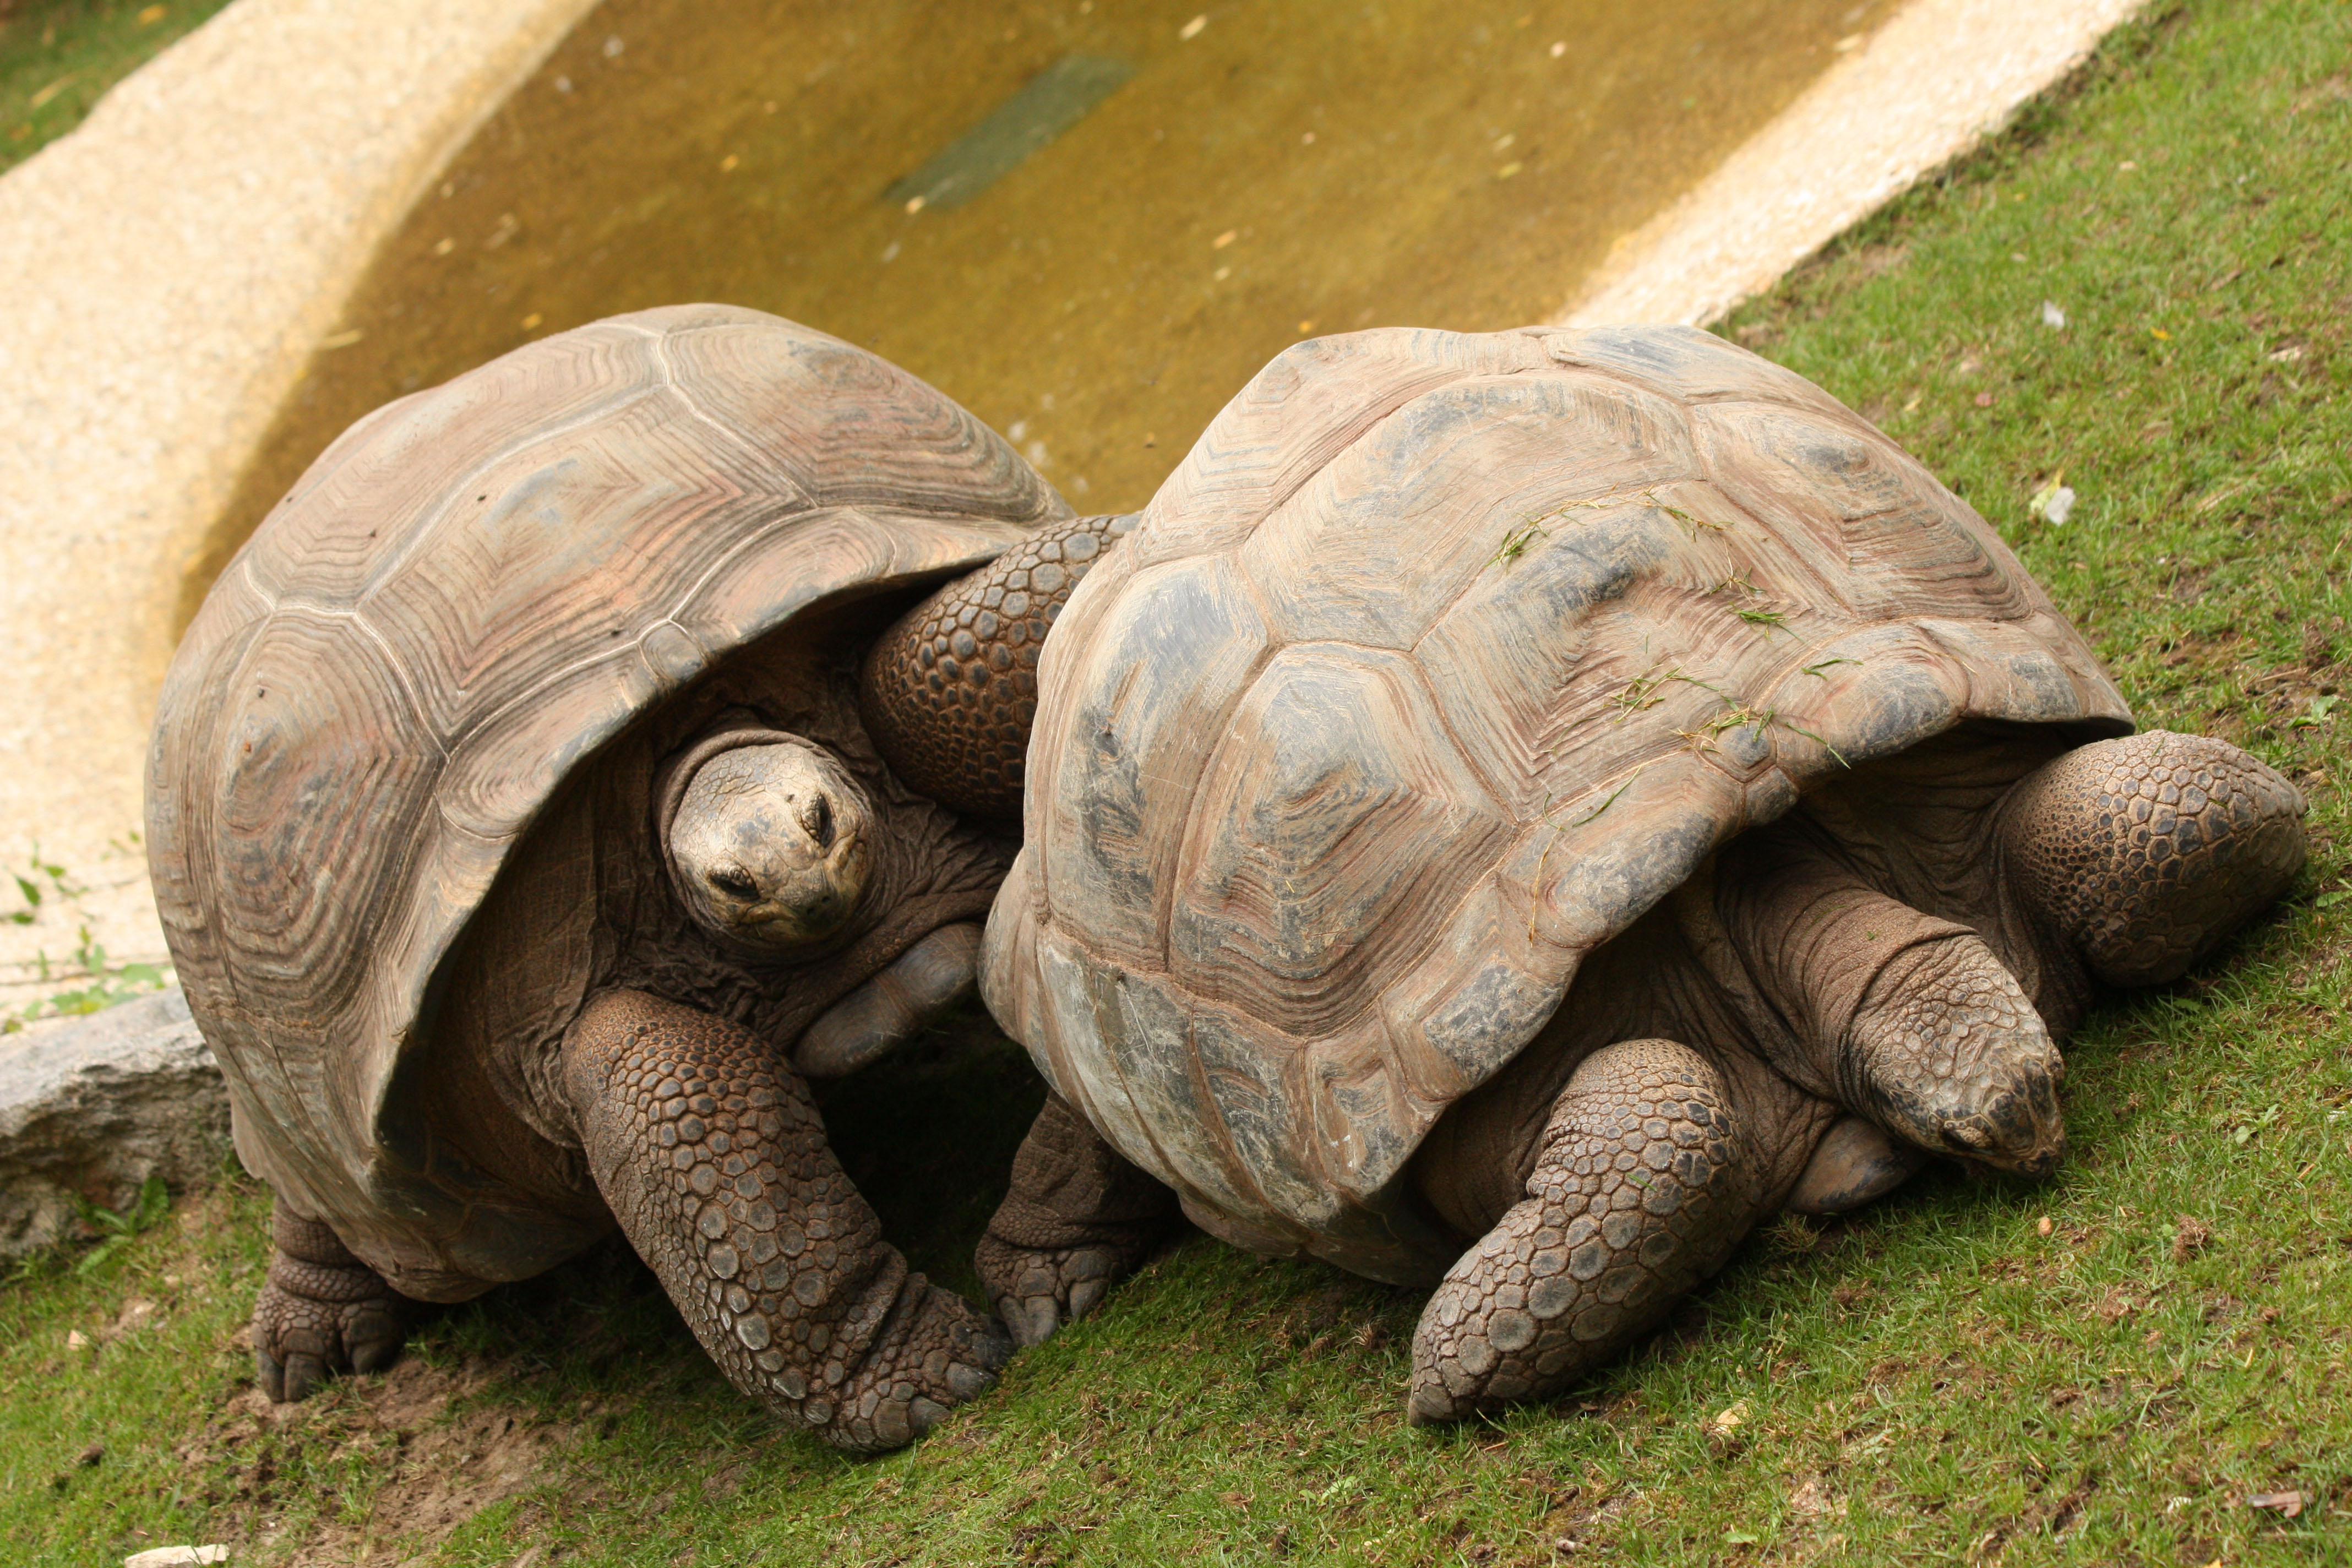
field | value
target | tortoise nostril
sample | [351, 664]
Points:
[735, 884]
[818, 820]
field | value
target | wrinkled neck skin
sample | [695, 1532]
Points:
[1925, 828]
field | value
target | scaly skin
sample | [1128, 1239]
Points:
[713, 1158]
[1636, 1195]
[321, 1311]
[951, 691]
[1907, 1019]
[1079, 1218]
[2146, 852]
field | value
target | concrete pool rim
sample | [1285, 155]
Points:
[184, 253]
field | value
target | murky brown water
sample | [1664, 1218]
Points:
[1190, 200]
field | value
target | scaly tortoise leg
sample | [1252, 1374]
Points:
[1640, 1190]
[1077, 1220]
[320, 1313]
[713, 1158]
[2146, 852]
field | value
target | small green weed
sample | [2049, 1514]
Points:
[109, 984]
[39, 881]
[116, 1230]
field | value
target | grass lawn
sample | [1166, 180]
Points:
[2101, 1369]
[57, 58]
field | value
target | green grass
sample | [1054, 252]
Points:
[1941, 1379]
[57, 58]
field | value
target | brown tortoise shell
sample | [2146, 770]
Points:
[471, 597]
[1438, 661]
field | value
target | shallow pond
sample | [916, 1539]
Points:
[1089, 221]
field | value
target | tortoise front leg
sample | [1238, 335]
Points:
[1643, 1184]
[322, 1310]
[1077, 1220]
[2145, 853]
[713, 1158]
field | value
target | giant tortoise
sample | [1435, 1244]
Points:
[512, 816]
[1518, 809]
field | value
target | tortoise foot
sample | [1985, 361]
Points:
[714, 1160]
[2146, 852]
[1077, 1220]
[1636, 1195]
[322, 1312]
[935, 1352]
[1037, 1291]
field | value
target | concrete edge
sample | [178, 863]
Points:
[91, 1109]
[1932, 82]
[181, 254]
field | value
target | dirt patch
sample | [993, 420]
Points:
[374, 1470]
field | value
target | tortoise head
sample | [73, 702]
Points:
[772, 845]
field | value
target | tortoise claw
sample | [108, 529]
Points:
[304, 1374]
[322, 1312]
[1037, 1291]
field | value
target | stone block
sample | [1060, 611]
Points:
[92, 1107]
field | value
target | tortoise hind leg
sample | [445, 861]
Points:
[1640, 1190]
[321, 1311]
[1077, 1220]
[714, 1160]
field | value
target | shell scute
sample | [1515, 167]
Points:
[428, 453]
[1115, 1025]
[1311, 403]
[1259, 1109]
[1452, 1016]
[1689, 364]
[1165, 1092]
[1533, 670]
[842, 425]
[1887, 539]
[1396, 526]
[1159, 671]
[322, 750]
[573, 552]
[1342, 824]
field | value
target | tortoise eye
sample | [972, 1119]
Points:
[818, 820]
[736, 885]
